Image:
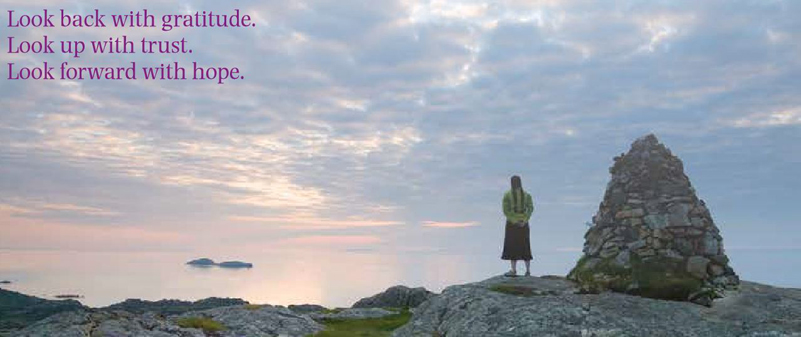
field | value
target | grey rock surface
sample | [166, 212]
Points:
[265, 320]
[550, 306]
[261, 321]
[396, 297]
[173, 307]
[107, 324]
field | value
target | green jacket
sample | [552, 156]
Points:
[517, 206]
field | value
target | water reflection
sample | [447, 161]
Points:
[328, 277]
[332, 278]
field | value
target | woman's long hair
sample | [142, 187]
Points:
[517, 185]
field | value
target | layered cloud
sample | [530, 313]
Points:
[365, 120]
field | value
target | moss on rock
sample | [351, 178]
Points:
[368, 327]
[655, 277]
[597, 275]
[663, 278]
[521, 290]
[206, 324]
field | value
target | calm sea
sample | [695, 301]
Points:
[330, 278]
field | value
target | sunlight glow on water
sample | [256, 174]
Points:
[330, 278]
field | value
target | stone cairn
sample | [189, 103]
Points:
[652, 236]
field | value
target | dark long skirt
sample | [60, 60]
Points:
[516, 245]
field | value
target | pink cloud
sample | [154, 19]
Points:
[332, 240]
[33, 207]
[314, 222]
[441, 224]
[27, 233]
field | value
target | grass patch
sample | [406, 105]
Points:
[520, 291]
[332, 311]
[254, 306]
[208, 325]
[368, 327]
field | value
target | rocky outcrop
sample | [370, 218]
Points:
[264, 320]
[173, 307]
[19, 310]
[235, 321]
[306, 308]
[106, 323]
[652, 236]
[227, 317]
[499, 306]
[133, 317]
[396, 297]
[553, 306]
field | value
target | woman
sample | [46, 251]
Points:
[517, 206]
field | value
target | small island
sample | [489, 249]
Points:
[68, 296]
[203, 262]
[206, 262]
[235, 264]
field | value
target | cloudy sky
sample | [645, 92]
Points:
[394, 126]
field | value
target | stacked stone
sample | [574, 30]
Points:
[650, 211]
